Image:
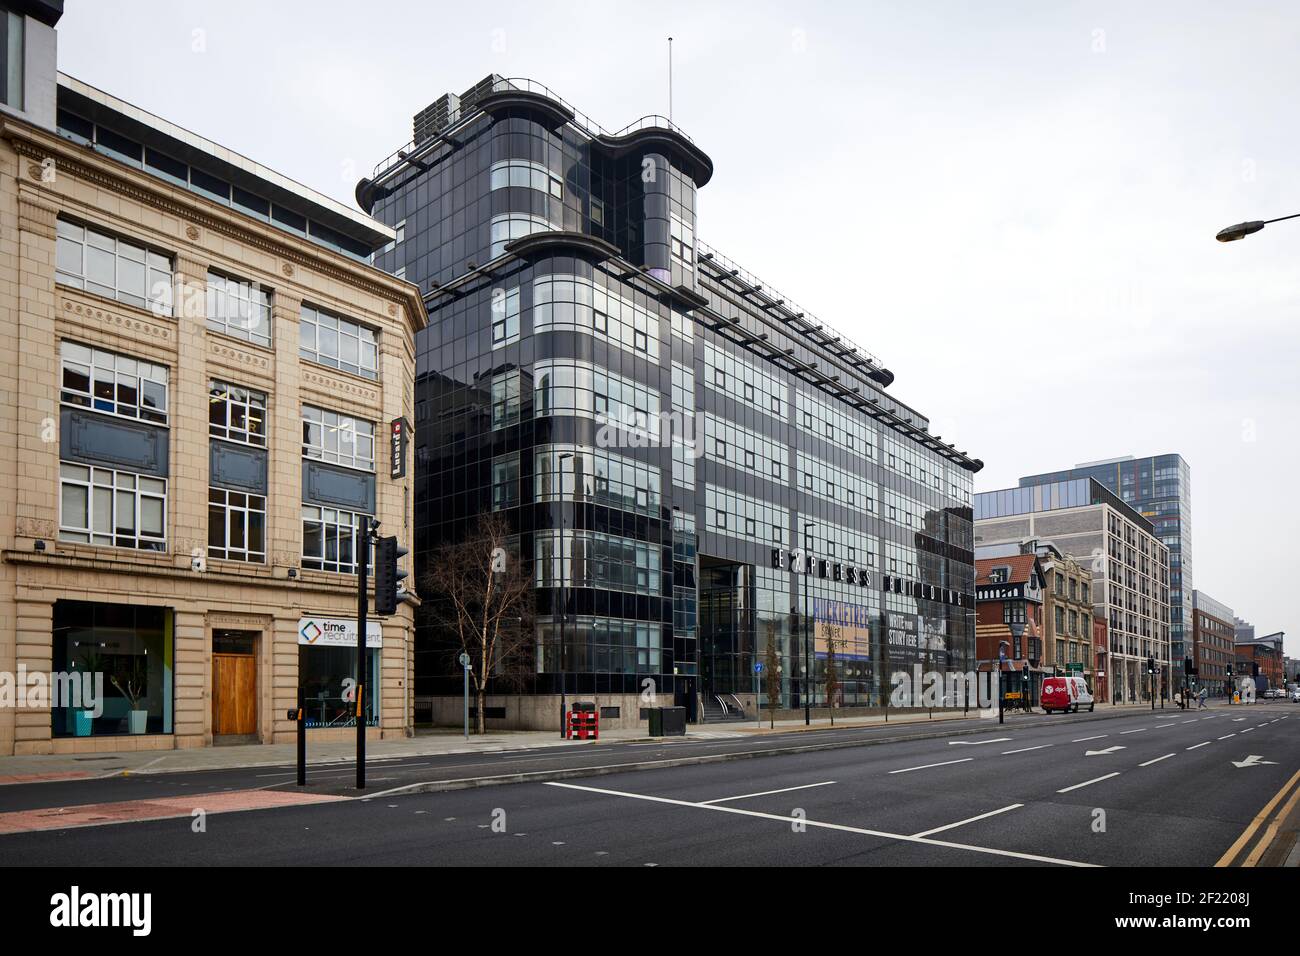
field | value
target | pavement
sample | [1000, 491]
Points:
[1122, 787]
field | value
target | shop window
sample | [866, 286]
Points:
[128, 653]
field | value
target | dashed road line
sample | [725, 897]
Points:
[1025, 749]
[1157, 760]
[929, 765]
[1088, 783]
[1204, 743]
[1138, 731]
[768, 793]
[1082, 739]
[962, 823]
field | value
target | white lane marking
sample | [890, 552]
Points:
[1204, 743]
[929, 765]
[1246, 730]
[1192, 721]
[1138, 731]
[1101, 753]
[1088, 783]
[1082, 739]
[768, 793]
[1157, 760]
[825, 826]
[976, 743]
[1226, 736]
[1025, 750]
[962, 823]
[1237, 720]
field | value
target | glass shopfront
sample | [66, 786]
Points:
[327, 672]
[128, 651]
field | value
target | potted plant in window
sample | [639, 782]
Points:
[131, 684]
[83, 718]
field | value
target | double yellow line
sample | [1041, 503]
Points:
[1253, 858]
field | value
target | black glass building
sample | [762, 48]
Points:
[697, 465]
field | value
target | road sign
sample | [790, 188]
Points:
[464, 659]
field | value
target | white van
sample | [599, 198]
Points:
[1066, 694]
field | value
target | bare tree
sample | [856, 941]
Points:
[772, 664]
[481, 592]
[832, 678]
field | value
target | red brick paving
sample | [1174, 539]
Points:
[162, 808]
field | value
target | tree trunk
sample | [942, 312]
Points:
[480, 695]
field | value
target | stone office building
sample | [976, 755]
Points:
[199, 370]
[1129, 565]
[796, 499]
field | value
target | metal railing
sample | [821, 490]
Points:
[524, 84]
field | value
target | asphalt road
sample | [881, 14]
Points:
[1136, 790]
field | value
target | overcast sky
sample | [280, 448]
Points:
[1012, 204]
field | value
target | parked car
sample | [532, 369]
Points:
[1295, 696]
[1066, 694]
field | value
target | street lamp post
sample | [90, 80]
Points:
[807, 670]
[1002, 656]
[564, 677]
[1243, 229]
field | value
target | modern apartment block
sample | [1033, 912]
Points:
[1160, 489]
[694, 465]
[199, 370]
[1213, 642]
[1129, 566]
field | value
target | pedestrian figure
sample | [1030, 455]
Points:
[1201, 699]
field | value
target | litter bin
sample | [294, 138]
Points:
[667, 721]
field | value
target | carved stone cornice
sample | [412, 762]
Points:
[159, 330]
[338, 384]
[232, 354]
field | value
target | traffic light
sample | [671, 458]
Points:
[1151, 665]
[1187, 665]
[387, 574]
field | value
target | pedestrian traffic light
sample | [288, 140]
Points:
[1229, 670]
[387, 575]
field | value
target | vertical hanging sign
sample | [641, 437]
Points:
[399, 436]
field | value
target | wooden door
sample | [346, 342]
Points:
[234, 694]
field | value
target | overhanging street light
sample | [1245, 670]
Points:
[1243, 229]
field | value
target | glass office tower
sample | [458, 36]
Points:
[695, 468]
[1160, 489]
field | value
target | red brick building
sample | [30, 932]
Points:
[1099, 656]
[1009, 607]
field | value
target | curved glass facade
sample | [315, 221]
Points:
[658, 466]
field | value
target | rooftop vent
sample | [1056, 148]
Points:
[449, 108]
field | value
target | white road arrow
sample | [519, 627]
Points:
[975, 743]
[1254, 760]
[1108, 750]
